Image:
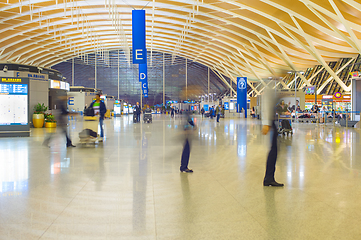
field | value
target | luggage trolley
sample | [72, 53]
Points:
[147, 116]
[284, 125]
[89, 135]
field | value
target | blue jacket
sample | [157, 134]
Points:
[102, 108]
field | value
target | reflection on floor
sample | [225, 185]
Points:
[130, 187]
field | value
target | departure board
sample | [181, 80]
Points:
[17, 89]
[13, 103]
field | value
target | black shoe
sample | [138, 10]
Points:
[273, 184]
[70, 145]
[187, 170]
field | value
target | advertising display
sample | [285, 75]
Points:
[117, 109]
[14, 107]
[310, 90]
[226, 106]
[327, 101]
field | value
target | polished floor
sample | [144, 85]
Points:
[130, 187]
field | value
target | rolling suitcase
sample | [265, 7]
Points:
[89, 134]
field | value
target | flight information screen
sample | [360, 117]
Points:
[13, 104]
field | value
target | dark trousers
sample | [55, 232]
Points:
[218, 116]
[272, 157]
[185, 155]
[138, 117]
[172, 114]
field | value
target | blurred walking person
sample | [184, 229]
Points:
[269, 100]
[61, 115]
[189, 126]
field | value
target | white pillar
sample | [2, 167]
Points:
[95, 59]
[208, 86]
[230, 88]
[141, 96]
[186, 79]
[118, 74]
[295, 95]
[72, 73]
[163, 80]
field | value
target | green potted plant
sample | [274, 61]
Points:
[38, 116]
[50, 121]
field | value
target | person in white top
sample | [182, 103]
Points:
[269, 101]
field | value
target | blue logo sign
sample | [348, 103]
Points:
[242, 83]
[71, 101]
[242, 95]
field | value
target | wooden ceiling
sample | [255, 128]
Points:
[253, 38]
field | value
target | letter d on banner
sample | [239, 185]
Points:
[138, 32]
[143, 78]
[143, 72]
[242, 95]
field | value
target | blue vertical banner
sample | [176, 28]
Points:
[143, 72]
[138, 32]
[143, 78]
[242, 95]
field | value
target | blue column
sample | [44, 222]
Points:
[242, 95]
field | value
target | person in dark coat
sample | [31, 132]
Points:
[137, 111]
[99, 109]
[202, 111]
[172, 113]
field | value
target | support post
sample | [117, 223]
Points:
[295, 97]
[95, 85]
[208, 85]
[141, 97]
[118, 74]
[72, 73]
[186, 79]
[230, 88]
[163, 80]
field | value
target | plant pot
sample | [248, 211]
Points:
[50, 124]
[38, 120]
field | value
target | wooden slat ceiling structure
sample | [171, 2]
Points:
[253, 38]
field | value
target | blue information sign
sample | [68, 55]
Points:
[14, 89]
[242, 95]
[138, 32]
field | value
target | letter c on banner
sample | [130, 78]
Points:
[144, 85]
[142, 76]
